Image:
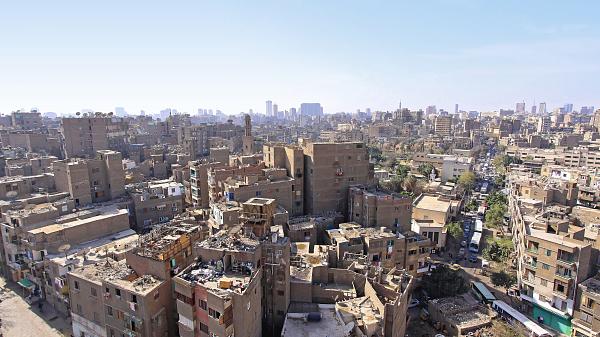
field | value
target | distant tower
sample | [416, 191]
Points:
[269, 108]
[456, 108]
[248, 140]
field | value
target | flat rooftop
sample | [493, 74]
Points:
[52, 228]
[329, 325]
[213, 277]
[432, 203]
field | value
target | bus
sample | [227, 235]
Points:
[478, 226]
[482, 293]
[475, 242]
[481, 211]
[516, 318]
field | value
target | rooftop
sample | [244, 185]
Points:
[432, 203]
[212, 276]
[329, 324]
[73, 220]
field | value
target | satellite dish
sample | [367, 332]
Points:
[11, 194]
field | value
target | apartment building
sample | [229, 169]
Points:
[553, 257]
[155, 202]
[34, 142]
[431, 214]
[18, 187]
[84, 136]
[291, 158]
[109, 299]
[449, 167]
[197, 140]
[55, 289]
[31, 166]
[272, 183]
[91, 180]
[26, 120]
[443, 126]
[586, 319]
[330, 168]
[371, 208]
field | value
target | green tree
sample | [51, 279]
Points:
[494, 216]
[444, 282]
[393, 185]
[402, 171]
[455, 230]
[498, 249]
[472, 206]
[375, 154]
[425, 169]
[496, 198]
[503, 279]
[467, 180]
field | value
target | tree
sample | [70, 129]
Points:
[472, 206]
[444, 281]
[496, 198]
[455, 230]
[425, 169]
[503, 279]
[393, 185]
[375, 154]
[494, 217]
[467, 180]
[498, 249]
[402, 171]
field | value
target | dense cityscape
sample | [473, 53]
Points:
[298, 222]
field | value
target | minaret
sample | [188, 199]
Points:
[248, 140]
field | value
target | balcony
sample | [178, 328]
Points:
[564, 276]
[532, 250]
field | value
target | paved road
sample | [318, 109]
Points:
[19, 319]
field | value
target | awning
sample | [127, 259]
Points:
[25, 283]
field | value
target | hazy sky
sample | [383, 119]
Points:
[63, 56]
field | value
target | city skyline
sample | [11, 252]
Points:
[144, 56]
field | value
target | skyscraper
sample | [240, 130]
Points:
[275, 110]
[269, 110]
[311, 109]
[568, 107]
[542, 110]
[456, 108]
[520, 107]
[533, 109]
[431, 110]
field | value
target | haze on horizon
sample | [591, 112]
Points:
[232, 56]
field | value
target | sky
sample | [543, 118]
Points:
[64, 56]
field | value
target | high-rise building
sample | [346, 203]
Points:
[456, 108]
[568, 107]
[544, 124]
[520, 107]
[587, 110]
[275, 110]
[430, 110]
[533, 109]
[269, 110]
[542, 109]
[83, 136]
[311, 109]
[443, 125]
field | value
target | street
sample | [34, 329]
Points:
[19, 319]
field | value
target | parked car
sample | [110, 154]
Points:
[473, 258]
[461, 251]
[463, 243]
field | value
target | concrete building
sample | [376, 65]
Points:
[378, 209]
[91, 180]
[431, 214]
[84, 136]
[155, 202]
[586, 319]
[18, 187]
[291, 158]
[553, 258]
[330, 169]
[26, 120]
[443, 126]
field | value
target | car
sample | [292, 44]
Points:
[473, 259]
[461, 251]
[463, 243]
[413, 303]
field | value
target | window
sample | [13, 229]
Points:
[203, 327]
[544, 282]
[203, 305]
[76, 285]
[109, 310]
[548, 252]
[133, 298]
[213, 313]
[79, 310]
[280, 293]
[118, 292]
[93, 292]
[545, 266]
[156, 295]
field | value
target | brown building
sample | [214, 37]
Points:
[156, 202]
[443, 125]
[91, 180]
[378, 209]
[18, 187]
[84, 136]
[110, 299]
[290, 158]
[26, 120]
[330, 169]
[586, 319]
